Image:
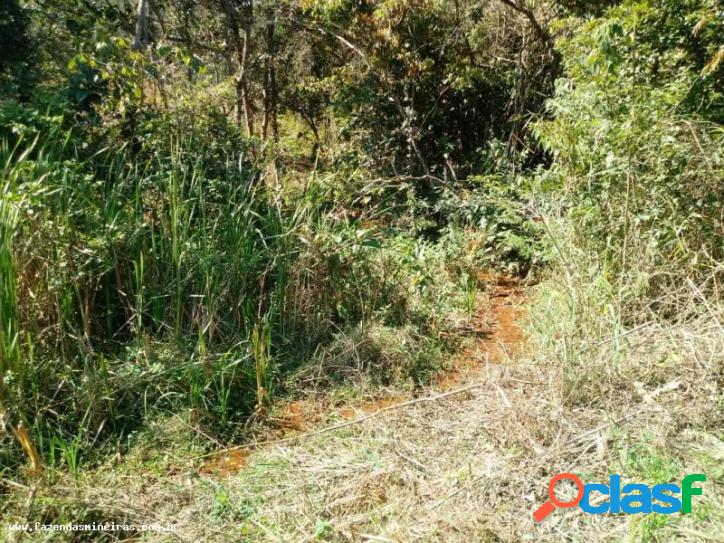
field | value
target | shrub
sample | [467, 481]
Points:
[637, 163]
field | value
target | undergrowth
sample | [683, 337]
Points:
[139, 282]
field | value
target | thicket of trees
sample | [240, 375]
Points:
[199, 196]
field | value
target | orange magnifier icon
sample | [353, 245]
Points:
[547, 508]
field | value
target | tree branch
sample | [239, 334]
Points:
[520, 7]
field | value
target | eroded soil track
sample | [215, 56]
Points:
[507, 308]
[495, 325]
[400, 467]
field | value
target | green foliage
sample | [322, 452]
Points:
[173, 275]
[637, 155]
[645, 461]
[163, 248]
[14, 41]
[420, 94]
[496, 207]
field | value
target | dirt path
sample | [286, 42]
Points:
[508, 306]
[498, 337]
[398, 468]
[496, 325]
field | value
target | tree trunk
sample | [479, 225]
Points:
[243, 104]
[271, 70]
[241, 40]
[141, 15]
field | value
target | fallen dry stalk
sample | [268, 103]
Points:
[401, 405]
[36, 464]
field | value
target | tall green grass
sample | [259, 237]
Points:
[138, 282]
[133, 283]
[9, 326]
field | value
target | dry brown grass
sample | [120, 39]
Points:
[470, 466]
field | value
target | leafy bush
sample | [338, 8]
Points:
[637, 161]
[495, 211]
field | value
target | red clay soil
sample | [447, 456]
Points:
[372, 406]
[507, 306]
[496, 327]
[227, 464]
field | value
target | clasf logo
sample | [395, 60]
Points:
[632, 498]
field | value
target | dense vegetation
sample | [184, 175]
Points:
[200, 199]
